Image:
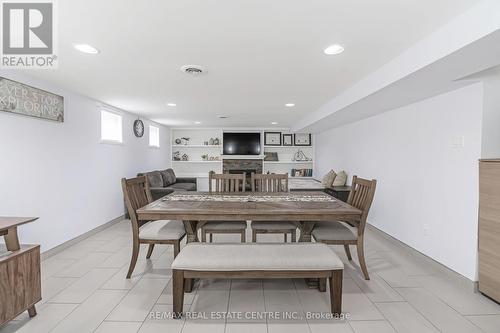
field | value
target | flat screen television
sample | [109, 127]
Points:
[241, 143]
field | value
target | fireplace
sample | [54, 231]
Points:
[240, 166]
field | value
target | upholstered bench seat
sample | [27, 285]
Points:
[268, 260]
[162, 229]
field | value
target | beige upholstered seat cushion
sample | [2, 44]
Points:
[162, 230]
[225, 225]
[334, 231]
[257, 257]
[270, 225]
[340, 179]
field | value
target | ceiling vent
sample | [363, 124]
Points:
[193, 70]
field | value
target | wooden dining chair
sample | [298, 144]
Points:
[272, 183]
[137, 195]
[225, 183]
[349, 233]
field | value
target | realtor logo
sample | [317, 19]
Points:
[28, 31]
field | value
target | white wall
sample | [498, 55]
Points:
[424, 182]
[62, 173]
[491, 116]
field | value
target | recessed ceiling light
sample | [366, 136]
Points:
[289, 105]
[86, 48]
[171, 104]
[197, 122]
[274, 123]
[334, 49]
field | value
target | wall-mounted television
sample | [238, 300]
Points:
[241, 143]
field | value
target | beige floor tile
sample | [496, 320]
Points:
[328, 326]
[166, 295]
[117, 326]
[246, 284]
[394, 277]
[404, 318]
[80, 290]
[372, 326]
[377, 289]
[464, 301]
[51, 266]
[488, 323]
[119, 280]
[246, 302]
[357, 304]
[47, 318]
[136, 305]
[80, 250]
[89, 315]
[210, 300]
[408, 263]
[252, 327]
[213, 284]
[437, 312]
[204, 326]
[159, 321]
[81, 267]
[295, 326]
[54, 285]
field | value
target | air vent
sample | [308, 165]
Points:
[193, 70]
[223, 117]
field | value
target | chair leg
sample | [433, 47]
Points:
[133, 260]
[203, 236]
[347, 251]
[211, 237]
[150, 251]
[32, 311]
[336, 292]
[177, 292]
[294, 236]
[243, 236]
[361, 258]
[322, 284]
[254, 236]
[188, 285]
[177, 248]
[285, 237]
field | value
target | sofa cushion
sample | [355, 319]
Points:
[341, 179]
[162, 230]
[154, 179]
[328, 179]
[258, 257]
[168, 177]
[183, 187]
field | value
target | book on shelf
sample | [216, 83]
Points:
[301, 172]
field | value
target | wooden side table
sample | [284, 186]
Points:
[20, 284]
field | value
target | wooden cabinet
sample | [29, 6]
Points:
[489, 228]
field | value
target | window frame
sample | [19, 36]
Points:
[110, 141]
[149, 136]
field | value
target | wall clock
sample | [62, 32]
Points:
[138, 128]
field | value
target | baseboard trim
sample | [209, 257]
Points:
[451, 274]
[55, 250]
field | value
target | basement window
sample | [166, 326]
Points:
[154, 136]
[111, 127]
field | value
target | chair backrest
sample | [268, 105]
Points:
[137, 195]
[361, 197]
[226, 182]
[269, 182]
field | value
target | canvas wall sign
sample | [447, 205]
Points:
[22, 99]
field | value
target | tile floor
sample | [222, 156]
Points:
[85, 290]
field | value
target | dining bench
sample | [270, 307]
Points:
[259, 261]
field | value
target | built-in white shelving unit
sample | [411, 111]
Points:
[195, 166]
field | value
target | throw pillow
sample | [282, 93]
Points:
[341, 179]
[328, 179]
[168, 177]
[155, 179]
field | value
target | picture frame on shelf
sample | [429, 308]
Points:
[302, 139]
[272, 138]
[287, 139]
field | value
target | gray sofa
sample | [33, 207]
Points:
[165, 182]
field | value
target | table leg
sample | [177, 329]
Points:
[191, 231]
[11, 240]
[305, 236]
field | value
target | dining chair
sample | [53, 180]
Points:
[225, 183]
[137, 195]
[349, 233]
[272, 183]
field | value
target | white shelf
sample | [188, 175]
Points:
[196, 161]
[287, 162]
[195, 146]
[288, 147]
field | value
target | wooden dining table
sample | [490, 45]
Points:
[196, 208]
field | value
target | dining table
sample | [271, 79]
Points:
[196, 208]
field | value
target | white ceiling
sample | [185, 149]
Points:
[259, 54]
